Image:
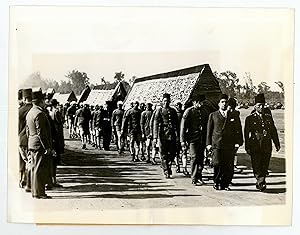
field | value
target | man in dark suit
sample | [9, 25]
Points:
[166, 130]
[259, 132]
[23, 140]
[223, 140]
[38, 130]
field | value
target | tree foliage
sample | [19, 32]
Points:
[231, 85]
[79, 81]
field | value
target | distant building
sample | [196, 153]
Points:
[64, 98]
[182, 84]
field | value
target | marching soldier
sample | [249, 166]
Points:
[179, 111]
[155, 146]
[39, 144]
[116, 123]
[23, 140]
[70, 114]
[106, 124]
[82, 119]
[223, 140]
[259, 132]
[132, 122]
[98, 125]
[166, 129]
[146, 130]
[193, 131]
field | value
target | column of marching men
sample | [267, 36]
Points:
[150, 132]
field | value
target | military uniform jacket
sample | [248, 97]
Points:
[145, 123]
[38, 129]
[165, 124]
[23, 110]
[222, 133]
[71, 112]
[117, 117]
[193, 125]
[260, 132]
[83, 117]
[132, 121]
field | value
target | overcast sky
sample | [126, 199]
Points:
[145, 41]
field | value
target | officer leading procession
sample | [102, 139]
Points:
[185, 140]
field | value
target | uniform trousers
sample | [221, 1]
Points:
[197, 160]
[167, 154]
[223, 161]
[260, 164]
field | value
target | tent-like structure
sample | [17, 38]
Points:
[64, 98]
[182, 84]
[100, 96]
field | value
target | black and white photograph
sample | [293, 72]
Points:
[150, 115]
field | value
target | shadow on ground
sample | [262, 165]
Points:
[106, 176]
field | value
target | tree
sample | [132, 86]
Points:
[79, 81]
[229, 83]
[119, 76]
[263, 87]
[281, 86]
[65, 87]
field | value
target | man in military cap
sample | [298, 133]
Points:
[223, 140]
[166, 130]
[106, 124]
[39, 144]
[82, 120]
[116, 123]
[132, 122]
[23, 140]
[146, 129]
[193, 132]
[259, 133]
[179, 111]
[70, 114]
[232, 103]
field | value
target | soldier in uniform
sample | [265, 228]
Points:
[155, 146]
[82, 120]
[146, 129]
[132, 121]
[106, 124]
[223, 140]
[166, 130]
[70, 114]
[259, 133]
[179, 111]
[23, 140]
[39, 144]
[116, 123]
[193, 131]
[98, 125]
